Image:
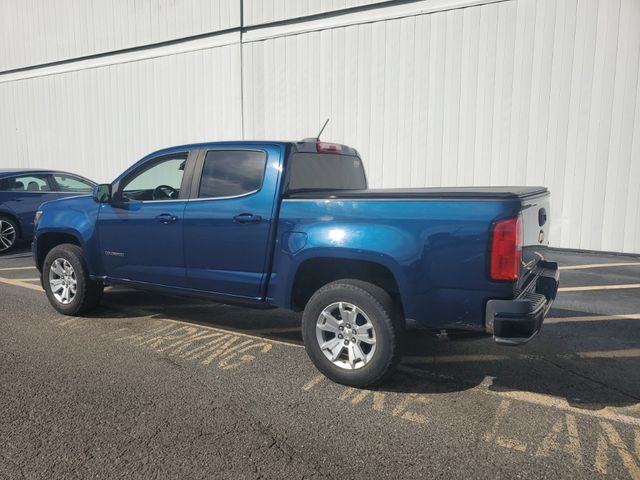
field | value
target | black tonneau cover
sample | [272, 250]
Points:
[515, 193]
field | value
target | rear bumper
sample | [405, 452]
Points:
[514, 322]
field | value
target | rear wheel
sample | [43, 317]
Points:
[67, 283]
[8, 234]
[352, 332]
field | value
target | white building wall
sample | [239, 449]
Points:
[257, 12]
[431, 93]
[35, 32]
[97, 118]
[535, 92]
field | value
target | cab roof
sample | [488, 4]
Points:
[308, 145]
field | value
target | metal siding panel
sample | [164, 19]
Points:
[40, 31]
[264, 11]
[503, 102]
[632, 232]
[452, 93]
[599, 123]
[97, 111]
[468, 93]
[389, 119]
[485, 99]
[405, 102]
[435, 103]
[580, 111]
[540, 92]
[376, 140]
[556, 142]
[621, 218]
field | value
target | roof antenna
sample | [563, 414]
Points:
[322, 129]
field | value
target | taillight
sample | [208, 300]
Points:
[506, 249]
[324, 147]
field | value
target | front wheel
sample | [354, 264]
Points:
[352, 332]
[66, 281]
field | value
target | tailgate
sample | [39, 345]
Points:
[536, 225]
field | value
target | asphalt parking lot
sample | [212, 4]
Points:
[161, 387]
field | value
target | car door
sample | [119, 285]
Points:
[141, 229]
[228, 223]
[23, 195]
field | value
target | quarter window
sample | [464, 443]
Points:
[67, 183]
[25, 183]
[231, 173]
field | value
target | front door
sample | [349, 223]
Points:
[228, 225]
[141, 230]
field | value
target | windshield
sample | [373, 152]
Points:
[320, 171]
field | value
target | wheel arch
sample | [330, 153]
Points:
[315, 272]
[47, 241]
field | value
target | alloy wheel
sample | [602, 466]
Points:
[62, 280]
[7, 235]
[346, 335]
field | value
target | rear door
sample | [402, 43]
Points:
[227, 225]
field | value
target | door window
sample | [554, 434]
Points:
[68, 183]
[231, 173]
[159, 181]
[25, 183]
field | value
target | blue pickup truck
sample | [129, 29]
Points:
[293, 225]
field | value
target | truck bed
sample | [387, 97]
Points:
[449, 193]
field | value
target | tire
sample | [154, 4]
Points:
[9, 234]
[379, 347]
[64, 265]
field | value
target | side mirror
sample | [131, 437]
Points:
[102, 193]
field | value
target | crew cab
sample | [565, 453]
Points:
[294, 225]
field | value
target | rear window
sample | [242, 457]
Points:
[318, 171]
[231, 173]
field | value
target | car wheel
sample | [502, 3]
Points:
[67, 283]
[352, 332]
[8, 234]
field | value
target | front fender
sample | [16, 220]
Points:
[75, 217]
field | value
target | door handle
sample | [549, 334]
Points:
[166, 218]
[247, 218]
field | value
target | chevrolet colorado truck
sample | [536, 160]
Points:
[293, 225]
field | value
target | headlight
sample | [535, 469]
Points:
[37, 217]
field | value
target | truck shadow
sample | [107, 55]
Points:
[590, 364]
[20, 250]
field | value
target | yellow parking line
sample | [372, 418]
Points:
[559, 403]
[6, 269]
[599, 265]
[543, 399]
[20, 283]
[629, 353]
[592, 318]
[599, 287]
